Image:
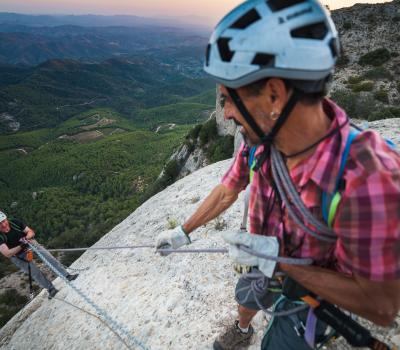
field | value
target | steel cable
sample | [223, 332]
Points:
[120, 329]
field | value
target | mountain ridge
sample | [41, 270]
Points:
[36, 20]
[34, 45]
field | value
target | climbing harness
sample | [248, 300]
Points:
[355, 334]
[31, 293]
[28, 255]
[29, 258]
[117, 327]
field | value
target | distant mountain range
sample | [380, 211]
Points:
[7, 18]
[53, 67]
[32, 45]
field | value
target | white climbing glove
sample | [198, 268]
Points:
[172, 239]
[260, 244]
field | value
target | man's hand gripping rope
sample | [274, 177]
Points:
[239, 240]
[172, 239]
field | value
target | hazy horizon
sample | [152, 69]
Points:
[208, 9]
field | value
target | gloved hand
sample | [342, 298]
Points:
[260, 244]
[23, 243]
[24, 246]
[172, 239]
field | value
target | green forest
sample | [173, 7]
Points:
[57, 90]
[72, 191]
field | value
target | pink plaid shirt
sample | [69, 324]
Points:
[367, 222]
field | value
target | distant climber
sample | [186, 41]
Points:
[274, 60]
[12, 232]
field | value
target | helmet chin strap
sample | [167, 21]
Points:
[266, 139]
[245, 113]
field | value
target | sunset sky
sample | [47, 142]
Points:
[211, 9]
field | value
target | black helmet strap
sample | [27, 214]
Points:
[265, 138]
[245, 113]
[296, 95]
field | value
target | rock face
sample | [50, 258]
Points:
[227, 127]
[176, 302]
[367, 80]
[224, 127]
[196, 160]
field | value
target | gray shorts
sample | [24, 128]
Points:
[281, 333]
[256, 298]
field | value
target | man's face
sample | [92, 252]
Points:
[4, 226]
[257, 106]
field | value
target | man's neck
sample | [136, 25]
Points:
[305, 126]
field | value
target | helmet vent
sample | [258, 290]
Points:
[246, 20]
[208, 51]
[333, 47]
[264, 60]
[277, 5]
[224, 50]
[312, 31]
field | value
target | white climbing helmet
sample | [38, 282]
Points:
[289, 39]
[2, 216]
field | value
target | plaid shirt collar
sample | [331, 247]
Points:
[322, 166]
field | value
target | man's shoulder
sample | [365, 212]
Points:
[371, 154]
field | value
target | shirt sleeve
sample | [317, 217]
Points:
[237, 177]
[367, 224]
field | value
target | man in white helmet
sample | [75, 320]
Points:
[13, 233]
[274, 60]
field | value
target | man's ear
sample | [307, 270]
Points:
[277, 93]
